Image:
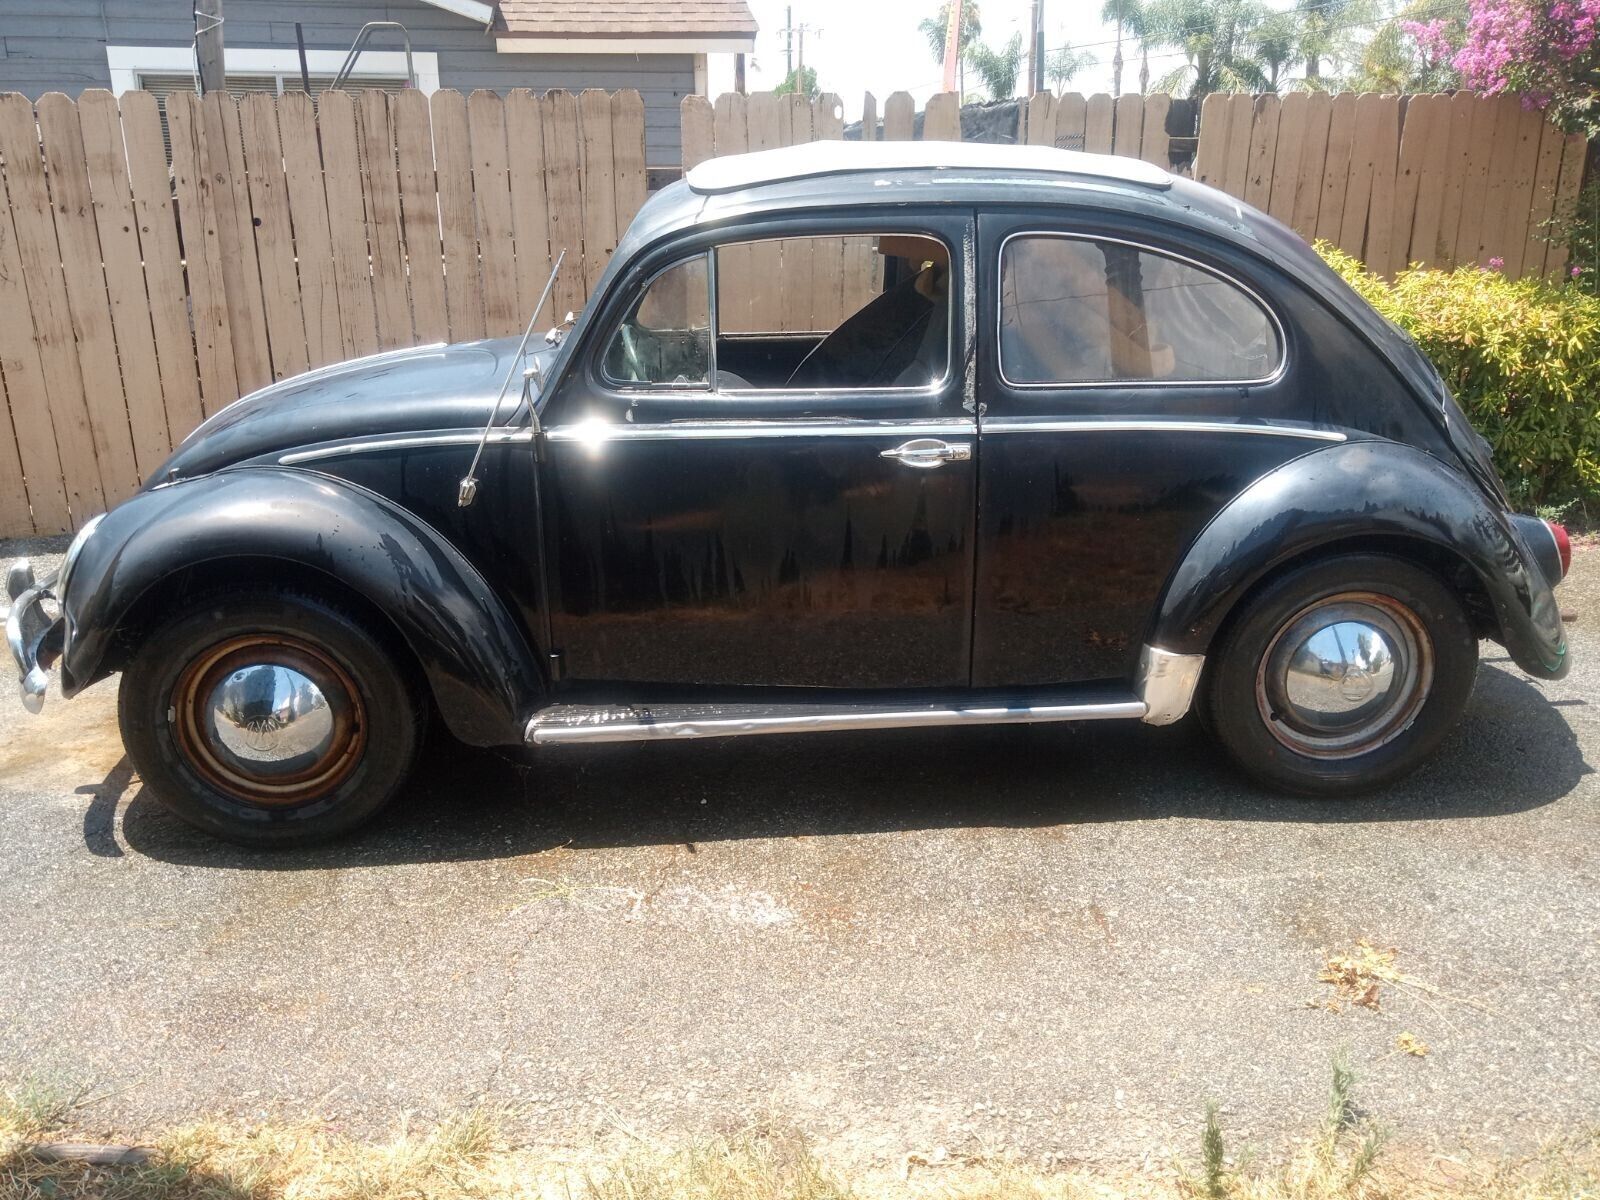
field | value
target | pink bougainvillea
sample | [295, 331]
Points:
[1432, 38]
[1544, 49]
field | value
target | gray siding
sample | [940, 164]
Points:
[59, 45]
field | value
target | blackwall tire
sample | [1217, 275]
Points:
[271, 718]
[1342, 676]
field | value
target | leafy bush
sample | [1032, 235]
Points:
[1523, 359]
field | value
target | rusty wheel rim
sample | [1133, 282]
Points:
[269, 720]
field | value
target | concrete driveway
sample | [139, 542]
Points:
[1052, 940]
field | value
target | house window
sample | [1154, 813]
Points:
[165, 69]
[239, 86]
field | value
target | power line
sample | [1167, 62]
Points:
[1441, 10]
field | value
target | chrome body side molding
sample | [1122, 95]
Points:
[597, 432]
[572, 723]
[1167, 683]
[1002, 425]
[404, 442]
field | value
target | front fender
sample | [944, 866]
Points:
[1353, 491]
[477, 661]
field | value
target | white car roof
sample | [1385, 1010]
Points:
[735, 171]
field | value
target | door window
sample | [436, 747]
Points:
[839, 313]
[1080, 310]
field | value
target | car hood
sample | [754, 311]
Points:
[419, 390]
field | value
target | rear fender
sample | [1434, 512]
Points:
[1354, 491]
[478, 663]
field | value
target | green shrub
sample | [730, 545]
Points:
[1523, 359]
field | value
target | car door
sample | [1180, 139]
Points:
[1132, 384]
[748, 483]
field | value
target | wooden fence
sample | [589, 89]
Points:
[1133, 126]
[1437, 180]
[139, 295]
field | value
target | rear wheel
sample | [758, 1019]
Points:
[1342, 675]
[270, 718]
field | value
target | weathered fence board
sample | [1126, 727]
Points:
[144, 291]
[497, 240]
[202, 249]
[63, 407]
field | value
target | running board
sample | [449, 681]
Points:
[567, 723]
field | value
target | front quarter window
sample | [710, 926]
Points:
[666, 339]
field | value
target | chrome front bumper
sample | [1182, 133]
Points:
[34, 636]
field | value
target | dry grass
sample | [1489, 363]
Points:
[470, 1157]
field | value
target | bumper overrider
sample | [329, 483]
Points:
[35, 637]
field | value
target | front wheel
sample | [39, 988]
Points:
[1342, 676]
[270, 718]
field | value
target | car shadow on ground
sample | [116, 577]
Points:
[1513, 752]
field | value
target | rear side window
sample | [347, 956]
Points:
[1081, 310]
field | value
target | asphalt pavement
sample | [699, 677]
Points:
[1057, 941]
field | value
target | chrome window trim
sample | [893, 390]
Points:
[590, 432]
[1023, 425]
[694, 391]
[469, 437]
[1060, 385]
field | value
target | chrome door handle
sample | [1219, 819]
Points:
[926, 453]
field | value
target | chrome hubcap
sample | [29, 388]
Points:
[1345, 675]
[269, 719]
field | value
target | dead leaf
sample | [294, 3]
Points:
[1411, 1044]
[1359, 972]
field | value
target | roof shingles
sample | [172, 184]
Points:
[628, 18]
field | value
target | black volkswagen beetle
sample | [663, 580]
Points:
[850, 436]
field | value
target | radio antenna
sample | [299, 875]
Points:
[468, 491]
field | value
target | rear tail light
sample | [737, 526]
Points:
[1563, 546]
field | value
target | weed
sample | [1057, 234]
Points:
[1213, 1155]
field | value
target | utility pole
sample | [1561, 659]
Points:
[208, 46]
[788, 38]
[738, 73]
[800, 79]
[952, 45]
[1035, 47]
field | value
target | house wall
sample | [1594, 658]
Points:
[60, 45]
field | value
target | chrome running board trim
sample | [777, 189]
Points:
[570, 723]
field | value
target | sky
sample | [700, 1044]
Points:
[874, 45]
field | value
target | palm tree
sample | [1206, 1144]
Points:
[1216, 38]
[998, 68]
[1064, 63]
[933, 28]
[1317, 34]
[1278, 41]
[1122, 13]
